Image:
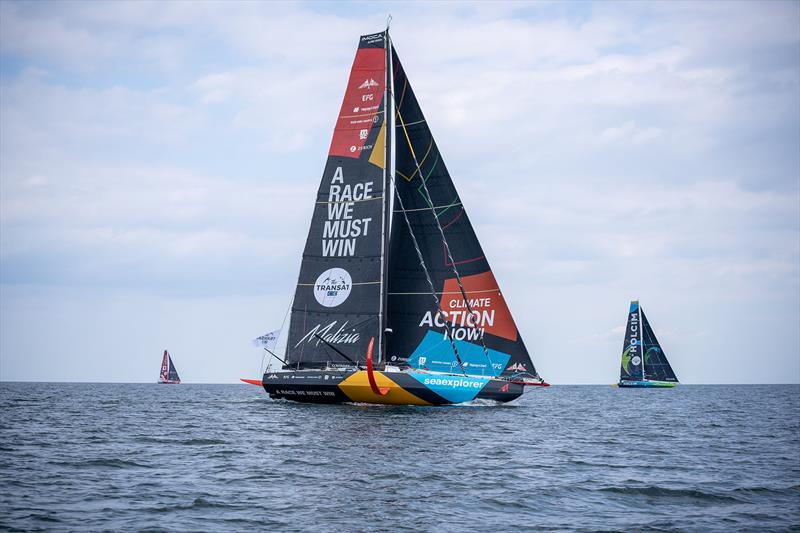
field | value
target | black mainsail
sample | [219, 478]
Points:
[644, 363]
[472, 318]
[338, 300]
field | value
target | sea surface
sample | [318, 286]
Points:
[225, 457]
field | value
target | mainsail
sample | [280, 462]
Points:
[479, 327]
[643, 359]
[338, 303]
[631, 367]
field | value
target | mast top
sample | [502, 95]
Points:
[388, 21]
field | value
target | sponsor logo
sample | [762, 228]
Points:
[333, 287]
[368, 83]
[272, 376]
[504, 388]
[422, 361]
[519, 367]
[363, 134]
[631, 354]
[483, 311]
[356, 109]
[339, 336]
[288, 392]
[372, 38]
[454, 382]
[465, 325]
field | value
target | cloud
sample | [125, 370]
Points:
[603, 151]
[630, 133]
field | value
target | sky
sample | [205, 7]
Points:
[159, 163]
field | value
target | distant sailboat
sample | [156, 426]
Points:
[644, 363]
[169, 376]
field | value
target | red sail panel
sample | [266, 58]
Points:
[489, 310]
[164, 376]
[361, 109]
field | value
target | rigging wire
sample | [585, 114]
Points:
[428, 278]
[419, 252]
[285, 316]
[444, 239]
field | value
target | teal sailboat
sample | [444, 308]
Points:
[644, 363]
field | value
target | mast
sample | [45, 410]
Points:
[385, 211]
[641, 339]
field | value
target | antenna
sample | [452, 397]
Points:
[388, 21]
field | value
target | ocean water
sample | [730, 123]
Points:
[225, 457]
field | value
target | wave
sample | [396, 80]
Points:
[196, 441]
[103, 463]
[663, 492]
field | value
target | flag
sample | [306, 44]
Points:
[268, 340]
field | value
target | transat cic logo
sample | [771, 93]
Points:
[333, 287]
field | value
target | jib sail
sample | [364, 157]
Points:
[656, 366]
[337, 302]
[423, 334]
[172, 375]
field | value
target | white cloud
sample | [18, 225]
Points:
[630, 133]
[603, 153]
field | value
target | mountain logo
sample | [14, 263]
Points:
[333, 287]
[368, 83]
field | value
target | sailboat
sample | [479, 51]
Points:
[168, 376]
[395, 301]
[644, 363]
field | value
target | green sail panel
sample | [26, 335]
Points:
[337, 302]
